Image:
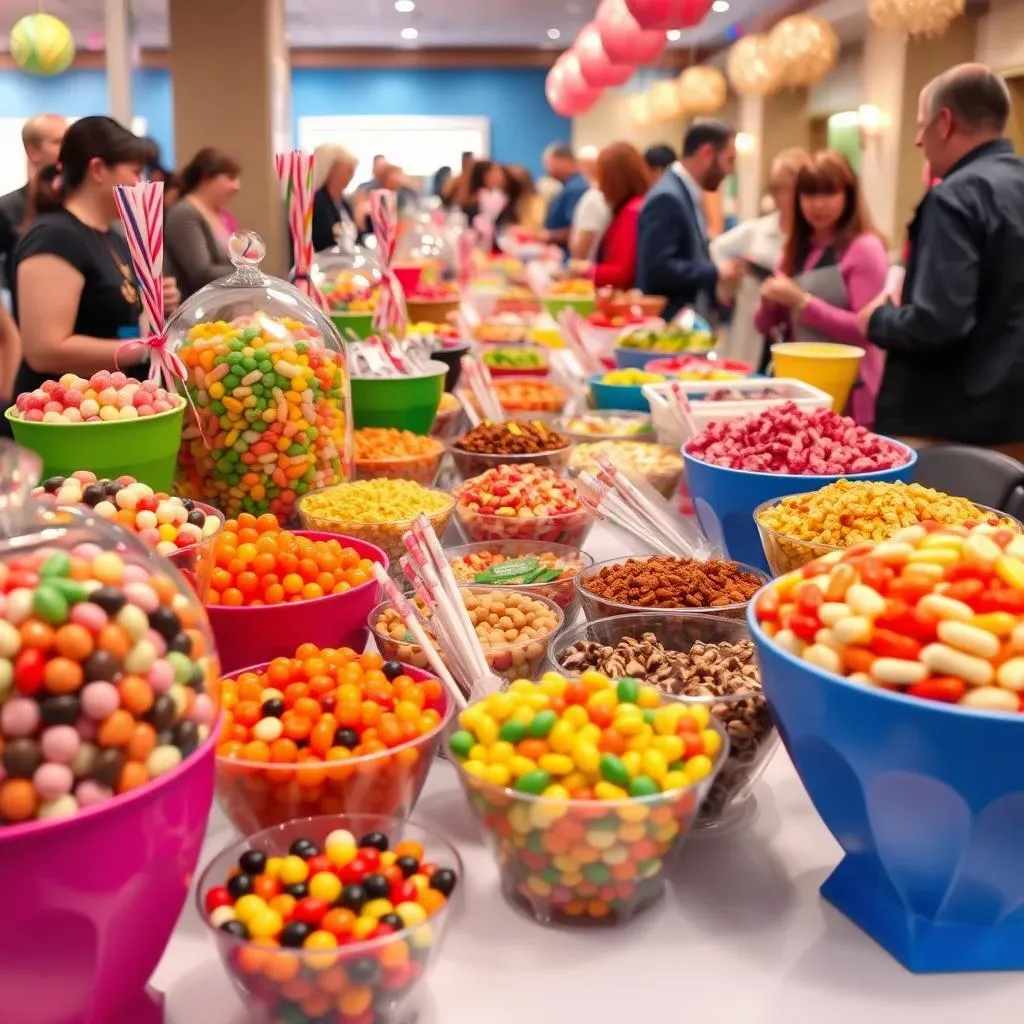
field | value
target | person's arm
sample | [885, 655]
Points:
[941, 309]
[10, 354]
[664, 233]
[619, 267]
[734, 244]
[863, 267]
[49, 290]
[185, 236]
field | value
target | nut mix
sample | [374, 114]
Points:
[516, 437]
[664, 581]
[521, 503]
[659, 464]
[724, 676]
[787, 439]
[396, 454]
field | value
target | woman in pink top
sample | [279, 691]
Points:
[834, 263]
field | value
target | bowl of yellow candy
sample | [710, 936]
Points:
[623, 389]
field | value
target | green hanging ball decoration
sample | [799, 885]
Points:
[42, 45]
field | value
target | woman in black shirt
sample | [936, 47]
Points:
[333, 170]
[74, 292]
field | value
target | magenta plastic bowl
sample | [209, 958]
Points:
[253, 636]
[90, 902]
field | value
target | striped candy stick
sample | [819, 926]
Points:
[295, 177]
[390, 314]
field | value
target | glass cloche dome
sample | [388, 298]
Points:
[349, 277]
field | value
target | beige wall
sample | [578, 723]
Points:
[1000, 36]
[842, 88]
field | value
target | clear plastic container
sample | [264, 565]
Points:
[659, 464]
[268, 380]
[607, 425]
[349, 277]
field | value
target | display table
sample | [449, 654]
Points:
[742, 936]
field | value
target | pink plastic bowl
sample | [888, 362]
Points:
[90, 902]
[254, 636]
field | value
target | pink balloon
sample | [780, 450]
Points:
[575, 84]
[654, 13]
[624, 41]
[691, 13]
[597, 70]
[561, 95]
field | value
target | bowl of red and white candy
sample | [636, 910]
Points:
[733, 467]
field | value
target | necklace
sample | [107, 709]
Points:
[129, 292]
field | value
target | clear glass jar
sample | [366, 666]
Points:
[426, 260]
[349, 277]
[270, 410]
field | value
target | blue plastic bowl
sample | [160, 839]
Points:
[927, 802]
[725, 500]
[618, 396]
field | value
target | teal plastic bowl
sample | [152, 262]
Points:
[618, 396]
[406, 403]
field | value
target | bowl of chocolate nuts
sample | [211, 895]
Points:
[696, 658]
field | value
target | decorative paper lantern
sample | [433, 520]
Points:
[42, 44]
[624, 41]
[752, 67]
[665, 102]
[805, 47]
[702, 90]
[640, 109]
[915, 17]
[597, 70]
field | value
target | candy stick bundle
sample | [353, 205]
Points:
[481, 389]
[390, 314]
[295, 176]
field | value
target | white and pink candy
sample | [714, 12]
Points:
[106, 396]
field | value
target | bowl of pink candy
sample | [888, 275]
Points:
[733, 467]
[433, 303]
[109, 424]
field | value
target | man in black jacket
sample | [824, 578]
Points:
[955, 347]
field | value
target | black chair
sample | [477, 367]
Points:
[979, 474]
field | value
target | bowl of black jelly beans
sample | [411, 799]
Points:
[332, 920]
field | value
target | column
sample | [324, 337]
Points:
[895, 71]
[750, 130]
[118, 44]
[231, 81]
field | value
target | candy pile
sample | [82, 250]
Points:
[351, 291]
[102, 680]
[272, 405]
[103, 398]
[660, 465]
[528, 394]
[933, 612]
[332, 932]
[517, 437]
[292, 730]
[526, 753]
[571, 288]
[515, 358]
[164, 522]
[396, 454]
[440, 291]
[549, 573]
[258, 563]
[786, 439]
[609, 425]
[631, 378]
[521, 503]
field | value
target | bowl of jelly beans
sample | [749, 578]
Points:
[327, 731]
[895, 672]
[585, 787]
[332, 919]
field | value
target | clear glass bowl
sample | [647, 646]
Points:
[379, 977]
[595, 607]
[349, 277]
[607, 425]
[521, 659]
[584, 862]
[568, 528]
[257, 795]
[421, 469]
[659, 464]
[561, 591]
[744, 714]
[471, 464]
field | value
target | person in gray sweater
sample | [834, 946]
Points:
[195, 234]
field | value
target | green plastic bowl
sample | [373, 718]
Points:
[582, 306]
[145, 448]
[406, 403]
[360, 324]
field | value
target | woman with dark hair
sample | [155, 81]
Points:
[74, 291]
[487, 174]
[623, 178]
[833, 264]
[195, 234]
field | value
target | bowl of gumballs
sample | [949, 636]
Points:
[514, 630]
[107, 731]
[517, 442]
[179, 529]
[527, 566]
[326, 731]
[123, 427]
[270, 585]
[384, 452]
[736, 466]
[918, 651]
[695, 658]
[581, 827]
[377, 899]
[527, 502]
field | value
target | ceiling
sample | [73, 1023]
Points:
[376, 23]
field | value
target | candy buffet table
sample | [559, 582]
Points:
[742, 936]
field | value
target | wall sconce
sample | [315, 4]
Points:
[745, 143]
[871, 121]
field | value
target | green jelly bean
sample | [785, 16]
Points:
[248, 364]
[237, 344]
[676, 766]
[628, 691]
[643, 785]
[248, 334]
[649, 715]
[534, 782]
[541, 725]
[50, 605]
[181, 664]
[73, 591]
[58, 564]
[614, 771]
[461, 743]
[597, 873]
[535, 842]
[231, 382]
[512, 732]
[551, 875]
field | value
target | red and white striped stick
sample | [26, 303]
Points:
[390, 314]
[295, 176]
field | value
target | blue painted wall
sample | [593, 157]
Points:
[522, 123]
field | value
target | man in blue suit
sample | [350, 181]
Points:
[672, 244]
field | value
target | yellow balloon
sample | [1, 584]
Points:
[42, 44]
